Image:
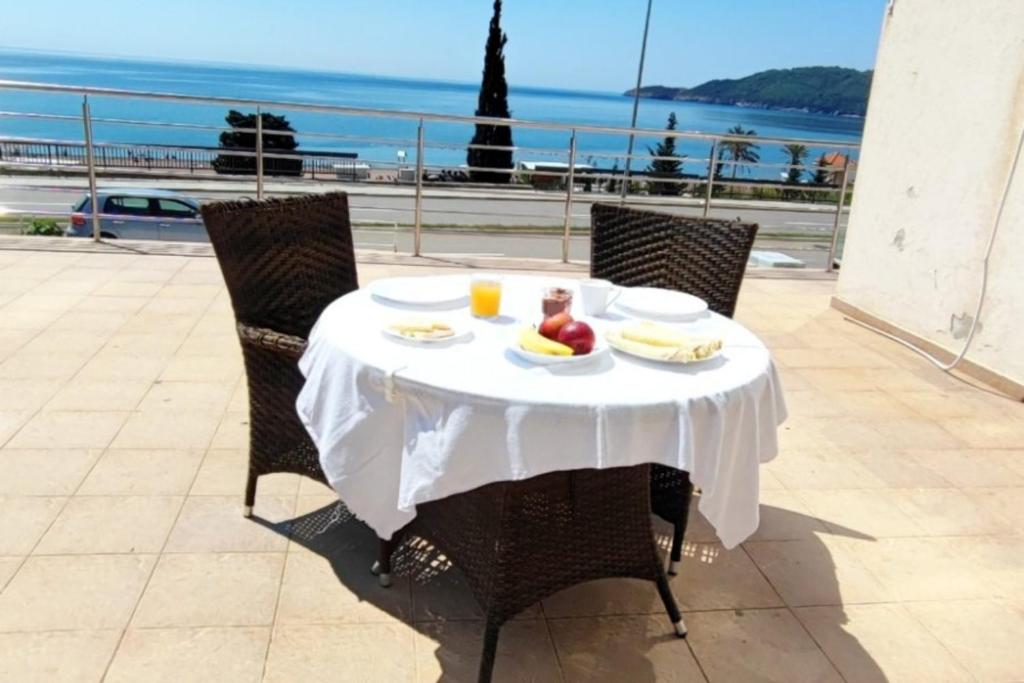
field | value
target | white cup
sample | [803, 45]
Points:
[598, 295]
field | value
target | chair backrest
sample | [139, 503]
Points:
[700, 256]
[284, 260]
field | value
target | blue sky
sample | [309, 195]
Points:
[578, 44]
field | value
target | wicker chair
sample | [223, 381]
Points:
[700, 256]
[283, 261]
[519, 542]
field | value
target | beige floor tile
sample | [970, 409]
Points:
[339, 653]
[8, 565]
[211, 589]
[937, 405]
[929, 568]
[898, 469]
[111, 304]
[820, 571]
[642, 648]
[26, 395]
[66, 429]
[111, 524]
[132, 346]
[604, 597]
[233, 432]
[711, 577]
[756, 645]
[114, 365]
[179, 397]
[951, 512]
[204, 369]
[450, 651]
[78, 592]
[180, 655]
[156, 429]
[11, 422]
[784, 516]
[1012, 460]
[879, 643]
[225, 471]
[215, 524]
[339, 589]
[1005, 503]
[872, 512]
[99, 395]
[968, 468]
[823, 468]
[39, 365]
[984, 636]
[988, 432]
[124, 289]
[75, 321]
[56, 656]
[142, 472]
[44, 472]
[23, 521]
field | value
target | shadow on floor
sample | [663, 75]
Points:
[351, 547]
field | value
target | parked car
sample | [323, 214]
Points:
[140, 214]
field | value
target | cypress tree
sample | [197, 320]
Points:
[669, 167]
[493, 101]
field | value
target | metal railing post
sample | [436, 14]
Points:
[259, 153]
[711, 177]
[91, 166]
[569, 188]
[418, 213]
[830, 264]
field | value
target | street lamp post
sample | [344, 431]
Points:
[636, 104]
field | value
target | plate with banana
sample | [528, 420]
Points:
[425, 331]
[532, 346]
[652, 341]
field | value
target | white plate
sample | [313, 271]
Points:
[422, 291]
[459, 335]
[600, 349]
[662, 304]
[630, 352]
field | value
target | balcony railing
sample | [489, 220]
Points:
[543, 175]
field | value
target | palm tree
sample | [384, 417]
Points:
[740, 151]
[797, 154]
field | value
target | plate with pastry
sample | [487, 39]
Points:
[652, 341]
[425, 331]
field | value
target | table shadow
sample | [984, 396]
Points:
[350, 547]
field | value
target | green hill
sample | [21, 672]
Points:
[823, 89]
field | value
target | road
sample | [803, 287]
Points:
[377, 213]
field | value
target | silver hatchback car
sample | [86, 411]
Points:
[139, 214]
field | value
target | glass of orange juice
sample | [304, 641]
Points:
[485, 295]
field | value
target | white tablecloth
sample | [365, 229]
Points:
[397, 425]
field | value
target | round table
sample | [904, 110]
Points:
[398, 424]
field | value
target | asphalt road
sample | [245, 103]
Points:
[378, 212]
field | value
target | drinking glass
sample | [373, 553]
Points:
[485, 295]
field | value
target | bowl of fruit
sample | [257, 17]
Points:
[558, 340]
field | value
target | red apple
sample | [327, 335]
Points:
[578, 336]
[553, 324]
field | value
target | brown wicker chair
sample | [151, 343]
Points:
[519, 542]
[283, 261]
[700, 256]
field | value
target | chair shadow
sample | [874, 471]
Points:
[350, 547]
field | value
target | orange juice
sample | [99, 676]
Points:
[485, 297]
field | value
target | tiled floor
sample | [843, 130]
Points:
[891, 544]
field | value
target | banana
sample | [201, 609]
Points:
[532, 340]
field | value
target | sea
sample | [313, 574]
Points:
[379, 140]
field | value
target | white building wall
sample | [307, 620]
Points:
[943, 121]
